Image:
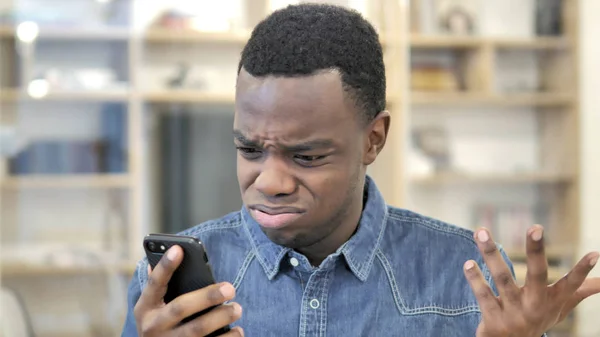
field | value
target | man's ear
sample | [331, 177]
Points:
[376, 136]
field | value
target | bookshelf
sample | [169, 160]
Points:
[35, 270]
[481, 99]
[495, 126]
[165, 35]
[139, 63]
[16, 95]
[188, 96]
[67, 181]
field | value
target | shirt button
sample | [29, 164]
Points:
[294, 262]
[314, 303]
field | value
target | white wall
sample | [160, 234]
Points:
[590, 124]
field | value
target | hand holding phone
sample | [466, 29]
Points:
[156, 317]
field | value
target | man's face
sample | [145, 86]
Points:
[300, 161]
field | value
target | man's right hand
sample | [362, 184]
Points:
[155, 318]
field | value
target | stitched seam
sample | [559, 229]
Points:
[401, 305]
[392, 280]
[302, 332]
[442, 311]
[432, 225]
[362, 270]
[306, 298]
[324, 292]
[358, 269]
[313, 285]
[262, 262]
[274, 271]
[376, 247]
[203, 228]
[242, 272]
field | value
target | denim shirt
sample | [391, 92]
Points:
[400, 274]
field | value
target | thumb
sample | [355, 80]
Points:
[588, 288]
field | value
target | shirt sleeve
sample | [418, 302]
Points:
[134, 292]
[512, 271]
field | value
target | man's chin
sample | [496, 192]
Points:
[284, 237]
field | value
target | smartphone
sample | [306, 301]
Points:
[193, 273]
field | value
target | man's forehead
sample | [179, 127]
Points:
[291, 142]
[296, 86]
[291, 109]
[247, 79]
[282, 134]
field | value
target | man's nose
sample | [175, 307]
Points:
[274, 180]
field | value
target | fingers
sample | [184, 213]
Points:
[235, 331]
[211, 321]
[571, 282]
[193, 302]
[536, 281]
[488, 303]
[153, 293]
[507, 288]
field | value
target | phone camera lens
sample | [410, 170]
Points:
[151, 246]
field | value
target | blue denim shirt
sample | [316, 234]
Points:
[401, 274]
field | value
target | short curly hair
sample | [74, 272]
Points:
[304, 39]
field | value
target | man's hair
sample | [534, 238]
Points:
[301, 40]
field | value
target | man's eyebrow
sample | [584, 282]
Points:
[239, 136]
[310, 145]
[300, 147]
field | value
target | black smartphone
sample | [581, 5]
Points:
[193, 273]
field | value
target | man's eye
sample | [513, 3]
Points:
[249, 152]
[308, 160]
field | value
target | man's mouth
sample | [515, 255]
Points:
[275, 217]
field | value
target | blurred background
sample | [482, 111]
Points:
[115, 121]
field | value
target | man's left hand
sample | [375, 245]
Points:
[533, 309]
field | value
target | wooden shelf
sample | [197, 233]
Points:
[165, 35]
[472, 42]
[557, 43]
[437, 42]
[161, 35]
[19, 269]
[185, 35]
[13, 95]
[474, 99]
[70, 181]
[85, 34]
[496, 179]
[188, 96]
[74, 33]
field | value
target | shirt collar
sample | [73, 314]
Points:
[359, 251]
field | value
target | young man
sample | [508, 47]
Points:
[315, 251]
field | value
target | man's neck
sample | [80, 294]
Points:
[349, 225]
